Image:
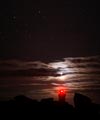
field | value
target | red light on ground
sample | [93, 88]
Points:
[61, 91]
[62, 95]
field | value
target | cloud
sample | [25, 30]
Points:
[39, 79]
[25, 68]
[19, 64]
[83, 59]
[75, 65]
[82, 65]
[29, 72]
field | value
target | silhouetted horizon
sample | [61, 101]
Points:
[23, 106]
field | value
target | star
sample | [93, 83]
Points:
[39, 12]
[14, 17]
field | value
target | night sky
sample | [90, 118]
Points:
[45, 39]
[48, 30]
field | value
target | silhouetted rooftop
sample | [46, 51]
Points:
[24, 106]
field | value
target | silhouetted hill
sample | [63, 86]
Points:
[22, 106]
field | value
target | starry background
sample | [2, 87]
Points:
[43, 39]
[48, 29]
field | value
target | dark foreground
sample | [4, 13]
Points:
[22, 107]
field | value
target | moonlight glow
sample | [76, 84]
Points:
[61, 67]
[57, 65]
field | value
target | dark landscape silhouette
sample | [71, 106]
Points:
[47, 108]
